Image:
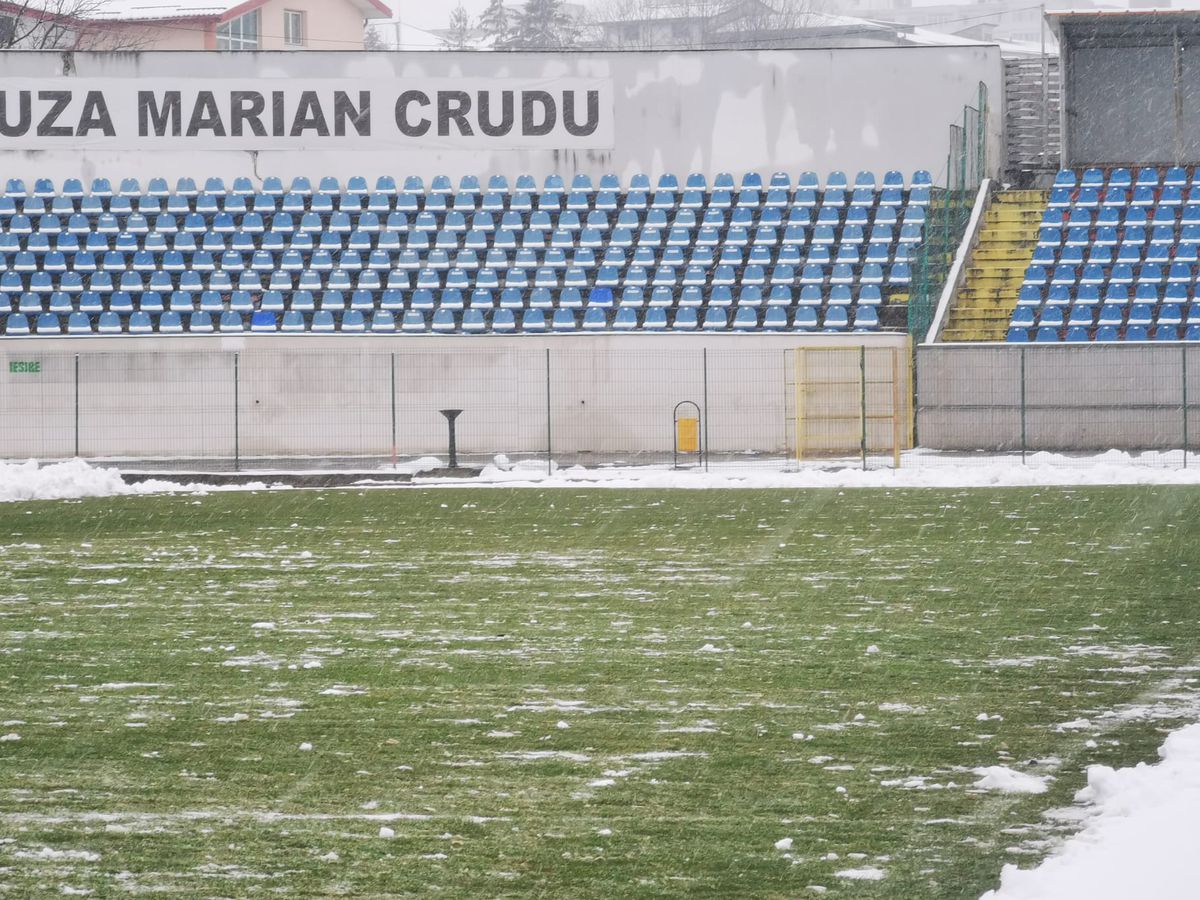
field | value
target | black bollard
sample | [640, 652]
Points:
[451, 415]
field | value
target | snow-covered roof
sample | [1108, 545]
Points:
[1112, 13]
[153, 10]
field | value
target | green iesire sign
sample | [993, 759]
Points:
[16, 367]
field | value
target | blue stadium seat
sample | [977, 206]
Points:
[686, 318]
[503, 322]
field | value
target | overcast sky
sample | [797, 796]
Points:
[418, 14]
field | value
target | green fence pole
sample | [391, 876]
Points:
[549, 445]
[862, 410]
[76, 405]
[1183, 379]
[393, 373]
[1023, 432]
[237, 450]
[705, 357]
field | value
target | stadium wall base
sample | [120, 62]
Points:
[593, 397]
[996, 397]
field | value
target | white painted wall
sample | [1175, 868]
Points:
[610, 396]
[849, 109]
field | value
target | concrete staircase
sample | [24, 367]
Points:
[985, 302]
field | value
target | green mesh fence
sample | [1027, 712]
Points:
[948, 213]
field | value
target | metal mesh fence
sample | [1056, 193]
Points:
[559, 405]
[1057, 405]
[552, 404]
[948, 214]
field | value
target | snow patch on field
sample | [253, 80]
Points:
[1010, 781]
[49, 853]
[866, 873]
[1139, 840]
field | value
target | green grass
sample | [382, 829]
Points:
[428, 644]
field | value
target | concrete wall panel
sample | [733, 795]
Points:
[790, 110]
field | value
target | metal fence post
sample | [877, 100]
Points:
[237, 450]
[862, 412]
[1023, 432]
[393, 390]
[1184, 380]
[705, 365]
[549, 444]
[76, 405]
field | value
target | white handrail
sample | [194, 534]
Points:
[965, 248]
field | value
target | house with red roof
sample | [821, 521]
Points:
[187, 24]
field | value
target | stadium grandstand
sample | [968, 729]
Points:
[723, 473]
[457, 259]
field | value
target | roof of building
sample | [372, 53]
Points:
[156, 10]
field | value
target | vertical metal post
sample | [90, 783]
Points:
[1023, 432]
[862, 411]
[1183, 379]
[393, 388]
[1045, 87]
[897, 408]
[237, 449]
[801, 363]
[705, 449]
[549, 443]
[76, 405]
[1177, 95]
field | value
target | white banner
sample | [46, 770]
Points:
[300, 114]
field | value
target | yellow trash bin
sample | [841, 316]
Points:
[687, 435]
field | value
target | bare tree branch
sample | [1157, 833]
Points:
[66, 25]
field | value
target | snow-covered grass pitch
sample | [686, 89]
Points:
[578, 693]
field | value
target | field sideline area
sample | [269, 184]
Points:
[578, 693]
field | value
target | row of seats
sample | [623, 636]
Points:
[425, 299]
[344, 279]
[1087, 315]
[1115, 293]
[744, 202]
[72, 188]
[500, 321]
[1080, 335]
[831, 223]
[1121, 176]
[418, 245]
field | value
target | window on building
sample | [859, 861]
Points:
[293, 28]
[241, 33]
[8, 31]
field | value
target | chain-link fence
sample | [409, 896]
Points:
[754, 403]
[1059, 405]
[948, 214]
[554, 403]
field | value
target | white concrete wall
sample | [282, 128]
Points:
[1076, 397]
[792, 110]
[610, 396]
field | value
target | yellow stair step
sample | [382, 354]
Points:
[994, 273]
